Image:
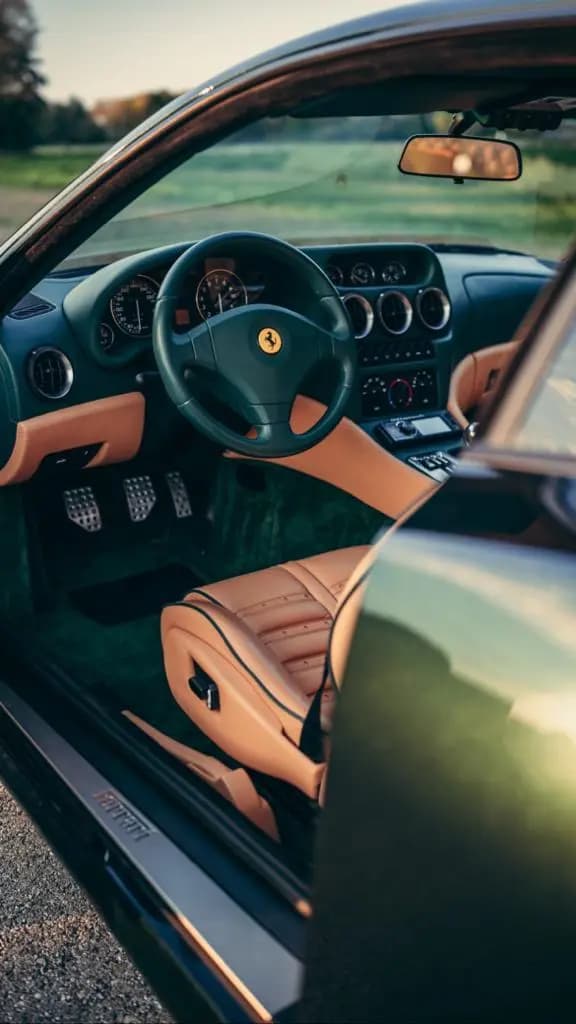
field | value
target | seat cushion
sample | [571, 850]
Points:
[290, 609]
[262, 638]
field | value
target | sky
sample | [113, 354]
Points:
[101, 49]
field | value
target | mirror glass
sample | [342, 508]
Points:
[446, 156]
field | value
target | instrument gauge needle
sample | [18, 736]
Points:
[139, 317]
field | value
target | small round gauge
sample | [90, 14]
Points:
[219, 291]
[105, 337]
[394, 272]
[362, 273]
[132, 307]
[336, 274]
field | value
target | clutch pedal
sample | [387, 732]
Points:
[82, 509]
[140, 497]
[179, 495]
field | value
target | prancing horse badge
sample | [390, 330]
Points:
[270, 341]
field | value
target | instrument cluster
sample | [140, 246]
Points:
[219, 288]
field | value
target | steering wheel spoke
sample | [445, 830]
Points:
[200, 341]
[272, 423]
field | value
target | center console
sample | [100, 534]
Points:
[428, 443]
[402, 318]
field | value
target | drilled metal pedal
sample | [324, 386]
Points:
[179, 495]
[82, 509]
[140, 497]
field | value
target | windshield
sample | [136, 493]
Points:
[329, 179]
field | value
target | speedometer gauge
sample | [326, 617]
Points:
[132, 306]
[219, 291]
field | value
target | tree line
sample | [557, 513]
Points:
[28, 119]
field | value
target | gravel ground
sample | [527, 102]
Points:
[58, 961]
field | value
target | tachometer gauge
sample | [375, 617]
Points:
[219, 291]
[132, 307]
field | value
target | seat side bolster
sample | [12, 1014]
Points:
[221, 630]
[261, 712]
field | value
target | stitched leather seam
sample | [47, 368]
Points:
[303, 662]
[297, 636]
[280, 601]
[312, 596]
[294, 629]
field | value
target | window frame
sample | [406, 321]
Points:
[545, 330]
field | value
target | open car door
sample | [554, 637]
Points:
[446, 871]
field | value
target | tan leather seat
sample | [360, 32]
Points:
[261, 640]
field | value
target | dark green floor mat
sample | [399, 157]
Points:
[120, 664]
[135, 596]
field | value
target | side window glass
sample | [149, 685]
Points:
[549, 426]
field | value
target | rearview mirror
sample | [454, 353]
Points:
[449, 156]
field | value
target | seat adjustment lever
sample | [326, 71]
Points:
[205, 689]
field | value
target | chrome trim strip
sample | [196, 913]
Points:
[254, 966]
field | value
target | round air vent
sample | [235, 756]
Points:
[361, 314]
[433, 308]
[50, 372]
[395, 312]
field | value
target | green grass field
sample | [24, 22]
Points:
[316, 191]
[50, 168]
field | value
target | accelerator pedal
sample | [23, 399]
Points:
[179, 495]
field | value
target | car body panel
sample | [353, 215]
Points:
[452, 792]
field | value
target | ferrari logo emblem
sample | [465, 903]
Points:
[270, 341]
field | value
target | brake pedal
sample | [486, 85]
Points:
[140, 497]
[82, 509]
[179, 495]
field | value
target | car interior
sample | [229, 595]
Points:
[201, 443]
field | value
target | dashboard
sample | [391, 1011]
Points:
[416, 310]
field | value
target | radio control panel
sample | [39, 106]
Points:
[421, 431]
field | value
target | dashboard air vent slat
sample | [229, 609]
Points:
[50, 372]
[30, 305]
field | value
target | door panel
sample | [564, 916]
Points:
[446, 870]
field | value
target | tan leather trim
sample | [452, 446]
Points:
[232, 783]
[349, 459]
[116, 422]
[476, 377]
[252, 727]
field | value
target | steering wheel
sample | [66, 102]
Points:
[262, 352]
